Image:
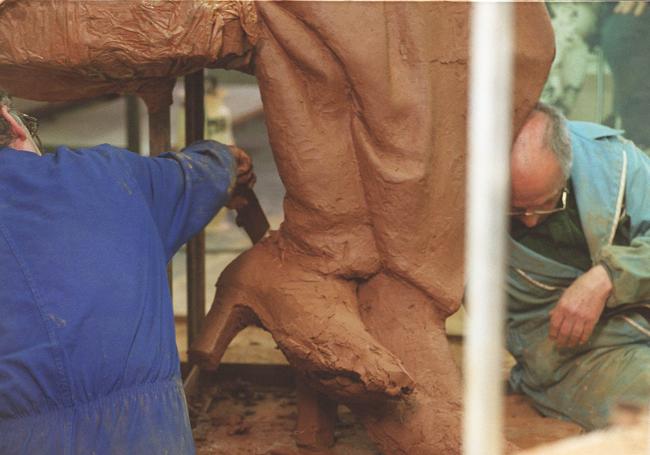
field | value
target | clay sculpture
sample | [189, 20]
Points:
[366, 106]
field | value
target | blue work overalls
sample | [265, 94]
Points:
[88, 359]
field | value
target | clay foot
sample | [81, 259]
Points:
[314, 319]
[406, 321]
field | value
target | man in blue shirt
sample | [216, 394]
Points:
[88, 360]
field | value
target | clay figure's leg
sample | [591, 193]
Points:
[308, 107]
[404, 79]
[407, 323]
[301, 283]
[406, 67]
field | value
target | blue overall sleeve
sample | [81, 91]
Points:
[629, 265]
[184, 190]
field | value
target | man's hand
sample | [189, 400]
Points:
[245, 177]
[574, 317]
[626, 7]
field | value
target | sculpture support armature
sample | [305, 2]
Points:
[366, 111]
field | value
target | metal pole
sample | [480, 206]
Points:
[132, 124]
[159, 132]
[160, 142]
[488, 196]
[194, 126]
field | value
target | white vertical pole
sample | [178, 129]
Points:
[491, 66]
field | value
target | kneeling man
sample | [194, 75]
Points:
[579, 270]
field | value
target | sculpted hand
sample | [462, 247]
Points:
[245, 177]
[627, 7]
[578, 310]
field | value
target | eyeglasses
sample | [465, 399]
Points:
[563, 198]
[31, 125]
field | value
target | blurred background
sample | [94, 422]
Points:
[600, 72]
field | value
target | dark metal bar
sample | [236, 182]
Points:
[159, 132]
[160, 142]
[132, 124]
[194, 131]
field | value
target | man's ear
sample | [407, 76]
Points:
[17, 130]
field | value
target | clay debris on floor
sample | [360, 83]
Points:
[242, 418]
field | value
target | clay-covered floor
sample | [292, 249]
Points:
[243, 418]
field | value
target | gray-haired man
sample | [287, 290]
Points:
[579, 271]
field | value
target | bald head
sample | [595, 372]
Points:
[540, 162]
[533, 165]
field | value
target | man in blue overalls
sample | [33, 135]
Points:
[88, 360]
[579, 270]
